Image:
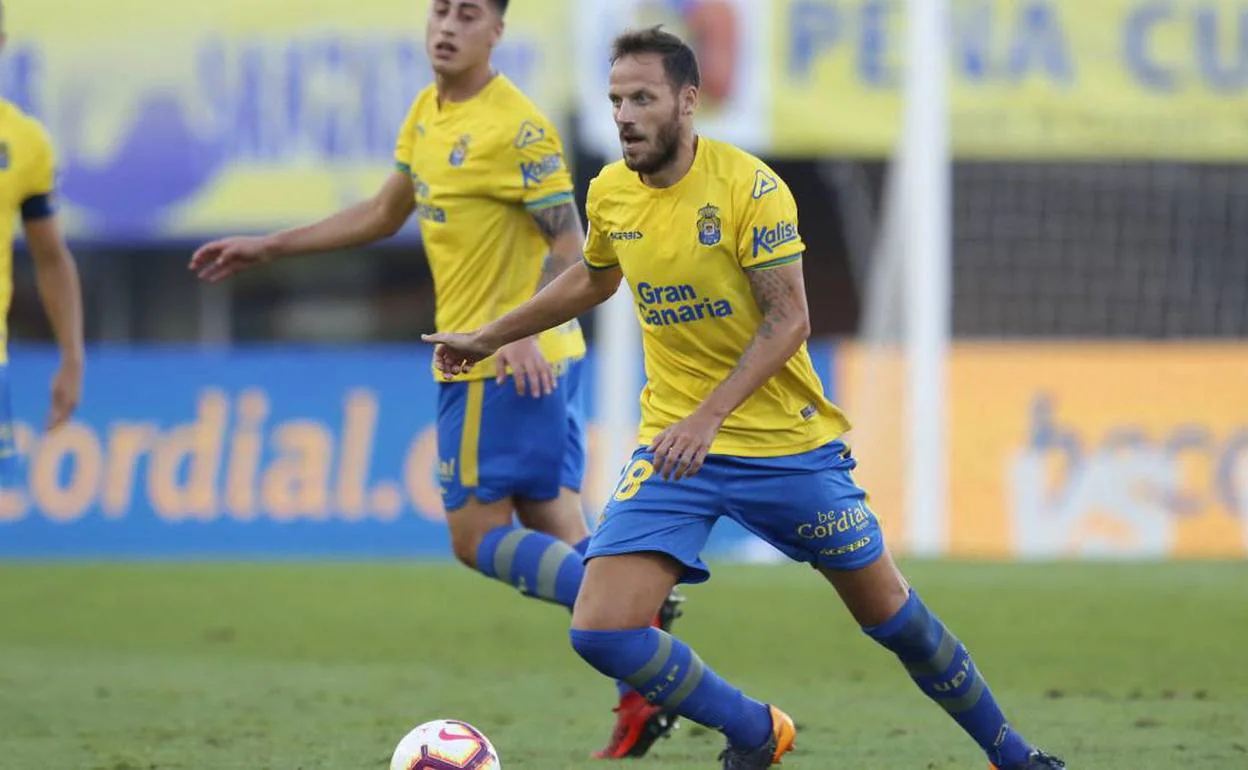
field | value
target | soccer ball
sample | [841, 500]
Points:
[445, 744]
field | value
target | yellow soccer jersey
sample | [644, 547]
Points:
[481, 168]
[685, 251]
[26, 182]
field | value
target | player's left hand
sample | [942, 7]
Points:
[456, 353]
[529, 366]
[680, 450]
[66, 392]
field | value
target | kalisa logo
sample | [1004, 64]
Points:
[768, 239]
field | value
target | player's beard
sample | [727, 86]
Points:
[666, 145]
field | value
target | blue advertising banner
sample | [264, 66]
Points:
[246, 453]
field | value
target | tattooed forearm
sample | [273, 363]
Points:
[776, 297]
[561, 226]
[781, 299]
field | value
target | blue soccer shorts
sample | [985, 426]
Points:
[494, 443]
[806, 505]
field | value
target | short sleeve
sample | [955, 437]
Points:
[407, 139]
[39, 176]
[598, 252]
[768, 229]
[538, 173]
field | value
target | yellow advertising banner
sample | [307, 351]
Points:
[190, 119]
[1076, 450]
[1030, 78]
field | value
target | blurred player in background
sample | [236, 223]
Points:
[483, 169]
[734, 419]
[27, 182]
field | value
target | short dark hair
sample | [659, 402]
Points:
[501, 5]
[679, 62]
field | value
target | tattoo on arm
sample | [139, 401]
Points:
[776, 300]
[557, 220]
[556, 224]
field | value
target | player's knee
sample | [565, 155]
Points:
[465, 542]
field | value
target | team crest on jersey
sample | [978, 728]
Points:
[460, 151]
[710, 229]
[420, 128]
[4, 156]
[530, 133]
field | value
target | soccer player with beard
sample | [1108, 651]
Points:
[734, 419]
[483, 170]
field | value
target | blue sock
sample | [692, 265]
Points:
[942, 668]
[536, 563]
[667, 672]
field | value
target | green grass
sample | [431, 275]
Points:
[310, 667]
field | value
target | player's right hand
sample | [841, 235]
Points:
[457, 353]
[218, 260]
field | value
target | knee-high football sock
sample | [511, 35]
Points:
[942, 668]
[667, 672]
[536, 563]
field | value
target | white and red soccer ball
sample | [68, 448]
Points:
[445, 744]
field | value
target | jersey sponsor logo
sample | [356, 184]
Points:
[626, 235]
[459, 153]
[530, 133]
[534, 172]
[763, 184]
[710, 228]
[678, 304]
[768, 239]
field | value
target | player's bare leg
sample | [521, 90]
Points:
[883, 603]
[470, 523]
[638, 724]
[611, 631]
[560, 517]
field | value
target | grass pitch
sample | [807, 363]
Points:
[320, 666]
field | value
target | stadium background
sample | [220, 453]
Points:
[1100, 284]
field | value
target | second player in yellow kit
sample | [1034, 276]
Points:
[481, 170]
